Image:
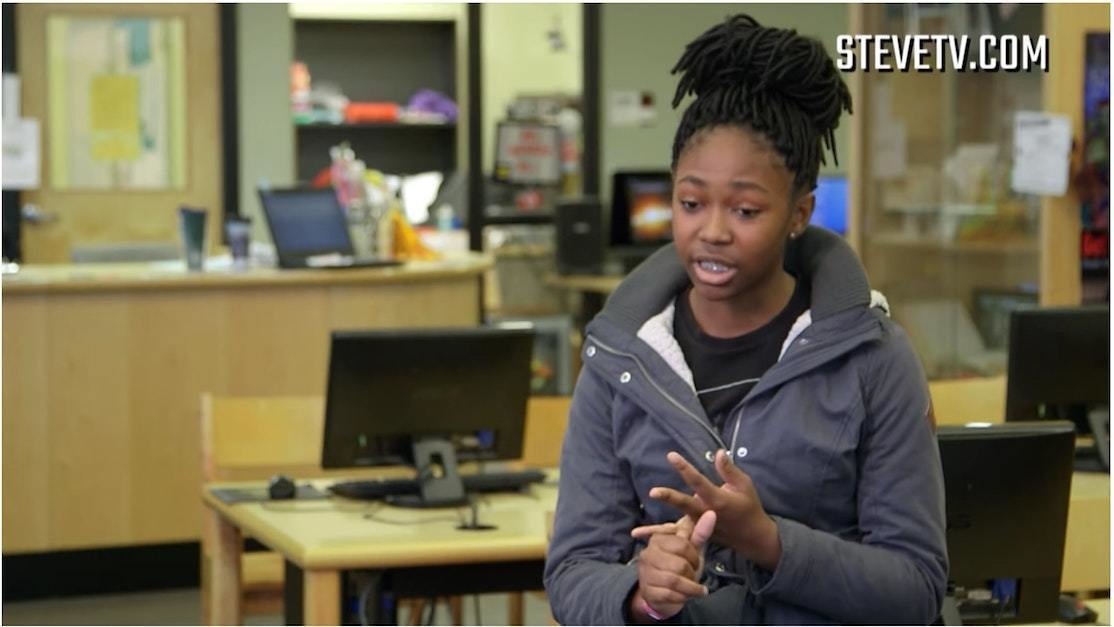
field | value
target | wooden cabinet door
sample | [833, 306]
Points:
[88, 95]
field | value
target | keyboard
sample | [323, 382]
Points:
[372, 489]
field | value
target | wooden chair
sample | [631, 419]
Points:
[546, 420]
[254, 438]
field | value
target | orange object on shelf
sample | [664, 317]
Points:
[361, 112]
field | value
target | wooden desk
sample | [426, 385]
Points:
[1087, 547]
[322, 539]
[105, 366]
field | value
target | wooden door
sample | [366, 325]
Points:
[105, 212]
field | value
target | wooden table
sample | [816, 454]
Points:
[1087, 547]
[105, 365]
[423, 550]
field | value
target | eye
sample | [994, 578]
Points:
[746, 213]
[688, 205]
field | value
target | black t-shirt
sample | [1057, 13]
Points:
[725, 369]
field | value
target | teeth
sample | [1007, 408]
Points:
[712, 266]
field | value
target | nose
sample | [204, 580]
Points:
[714, 230]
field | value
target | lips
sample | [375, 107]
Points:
[712, 271]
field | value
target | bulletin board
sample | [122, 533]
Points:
[117, 104]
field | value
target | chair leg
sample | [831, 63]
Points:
[456, 610]
[417, 608]
[516, 609]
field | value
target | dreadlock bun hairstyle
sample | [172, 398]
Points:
[772, 81]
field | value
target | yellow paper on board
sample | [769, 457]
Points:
[114, 117]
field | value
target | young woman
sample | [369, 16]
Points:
[751, 437]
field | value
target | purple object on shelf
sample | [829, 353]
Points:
[431, 101]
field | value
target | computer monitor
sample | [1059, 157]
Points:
[426, 397]
[1059, 369]
[830, 211]
[527, 153]
[641, 209]
[1007, 489]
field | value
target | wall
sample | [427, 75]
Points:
[518, 59]
[640, 43]
[265, 47]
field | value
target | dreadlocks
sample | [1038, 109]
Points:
[771, 80]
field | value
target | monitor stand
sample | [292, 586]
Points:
[949, 612]
[439, 483]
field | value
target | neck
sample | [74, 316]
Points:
[749, 311]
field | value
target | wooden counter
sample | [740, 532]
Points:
[104, 367]
[170, 275]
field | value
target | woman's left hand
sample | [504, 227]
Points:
[741, 523]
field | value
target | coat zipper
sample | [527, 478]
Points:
[703, 424]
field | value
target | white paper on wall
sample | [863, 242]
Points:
[1041, 153]
[21, 153]
[631, 107]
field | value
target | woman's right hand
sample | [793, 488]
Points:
[669, 569]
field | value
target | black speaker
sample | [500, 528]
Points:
[580, 237]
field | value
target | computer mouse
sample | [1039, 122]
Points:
[1074, 612]
[281, 487]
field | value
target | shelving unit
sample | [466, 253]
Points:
[382, 60]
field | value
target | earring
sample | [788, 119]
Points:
[792, 236]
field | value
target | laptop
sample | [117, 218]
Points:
[310, 230]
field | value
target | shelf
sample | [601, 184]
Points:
[376, 125]
[528, 218]
[927, 243]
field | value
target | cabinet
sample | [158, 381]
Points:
[380, 60]
[939, 225]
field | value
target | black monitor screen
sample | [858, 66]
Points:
[1007, 490]
[641, 208]
[387, 389]
[306, 222]
[1059, 364]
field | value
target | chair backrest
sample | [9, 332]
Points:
[960, 401]
[254, 437]
[546, 419]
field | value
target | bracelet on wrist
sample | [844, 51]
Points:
[644, 605]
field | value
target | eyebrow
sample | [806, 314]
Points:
[735, 184]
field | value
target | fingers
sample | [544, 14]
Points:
[645, 531]
[703, 529]
[688, 505]
[673, 588]
[672, 553]
[731, 474]
[693, 478]
[685, 525]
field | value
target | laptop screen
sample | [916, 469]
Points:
[306, 222]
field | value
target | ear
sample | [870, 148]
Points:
[801, 214]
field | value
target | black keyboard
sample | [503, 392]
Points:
[372, 489]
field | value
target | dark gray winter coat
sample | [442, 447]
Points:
[836, 436]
